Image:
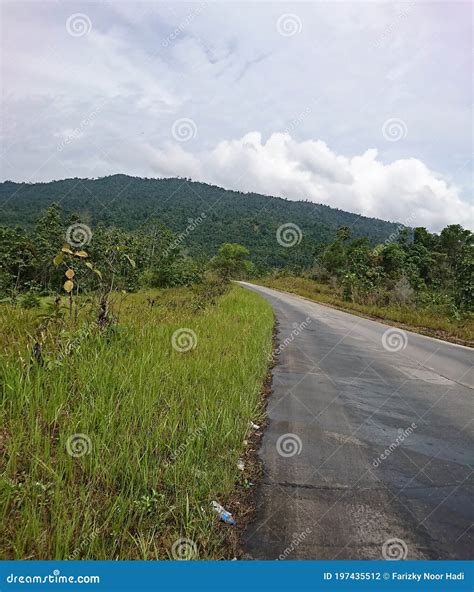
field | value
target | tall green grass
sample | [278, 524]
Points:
[432, 321]
[166, 429]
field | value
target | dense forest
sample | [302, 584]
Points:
[230, 216]
[122, 233]
[33, 261]
[409, 267]
[418, 270]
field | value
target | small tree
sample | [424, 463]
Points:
[231, 261]
[47, 234]
[343, 233]
[68, 257]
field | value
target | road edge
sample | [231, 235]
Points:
[410, 328]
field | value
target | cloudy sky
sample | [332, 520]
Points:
[365, 106]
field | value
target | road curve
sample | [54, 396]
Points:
[368, 451]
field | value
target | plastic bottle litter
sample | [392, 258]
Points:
[224, 515]
[254, 425]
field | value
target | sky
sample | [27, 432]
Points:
[364, 106]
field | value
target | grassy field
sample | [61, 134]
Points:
[433, 322]
[115, 446]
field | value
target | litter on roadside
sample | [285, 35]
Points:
[223, 514]
[254, 426]
[240, 464]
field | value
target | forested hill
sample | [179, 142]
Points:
[231, 216]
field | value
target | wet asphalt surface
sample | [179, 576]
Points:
[343, 396]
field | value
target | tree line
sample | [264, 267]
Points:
[104, 258]
[411, 267]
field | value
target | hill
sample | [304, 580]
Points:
[231, 216]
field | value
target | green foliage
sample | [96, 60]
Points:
[402, 271]
[115, 258]
[163, 429]
[249, 219]
[208, 291]
[30, 300]
[428, 312]
[129, 249]
[231, 261]
[343, 233]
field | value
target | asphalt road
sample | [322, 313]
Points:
[346, 392]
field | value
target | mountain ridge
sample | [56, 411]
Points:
[251, 219]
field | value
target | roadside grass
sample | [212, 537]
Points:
[164, 429]
[429, 321]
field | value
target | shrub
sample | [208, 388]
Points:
[30, 300]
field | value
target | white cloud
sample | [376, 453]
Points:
[405, 190]
[146, 64]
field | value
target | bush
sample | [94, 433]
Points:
[207, 292]
[30, 300]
